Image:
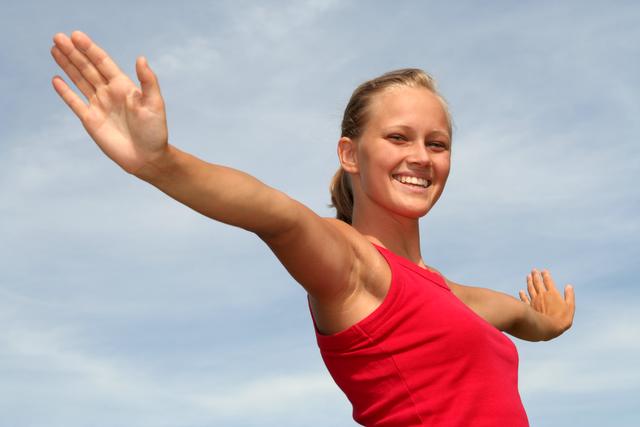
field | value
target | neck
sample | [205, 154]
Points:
[398, 234]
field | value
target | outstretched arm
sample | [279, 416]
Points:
[541, 316]
[128, 123]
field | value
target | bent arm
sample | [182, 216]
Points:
[542, 317]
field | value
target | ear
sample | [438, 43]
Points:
[347, 155]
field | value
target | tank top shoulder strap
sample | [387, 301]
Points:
[397, 261]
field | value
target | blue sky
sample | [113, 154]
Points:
[121, 307]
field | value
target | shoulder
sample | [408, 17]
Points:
[457, 289]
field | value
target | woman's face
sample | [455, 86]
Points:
[403, 156]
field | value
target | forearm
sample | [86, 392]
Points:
[509, 314]
[219, 192]
[501, 310]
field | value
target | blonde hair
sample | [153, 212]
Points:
[355, 119]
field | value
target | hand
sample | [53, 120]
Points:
[126, 121]
[545, 299]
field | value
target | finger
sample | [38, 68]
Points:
[69, 97]
[148, 82]
[70, 70]
[548, 281]
[98, 57]
[79, 60]
[524, 297]
[538, 284]
[530, 287]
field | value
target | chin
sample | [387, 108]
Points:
[413, 213]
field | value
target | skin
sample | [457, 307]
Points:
[406, 133]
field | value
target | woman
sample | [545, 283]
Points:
[407, 346]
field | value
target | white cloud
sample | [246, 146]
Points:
[54, 171]
[262, 21]
[196, 55]
[600, 354]
[72, 375]
[69, 372]
[270, 395]
[545, 164]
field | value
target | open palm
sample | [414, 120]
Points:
[126, 121]
[545, 298]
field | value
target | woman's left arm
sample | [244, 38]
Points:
[541, 315]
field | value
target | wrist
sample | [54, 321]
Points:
[159, 166]
[546, 327]
[531, 325]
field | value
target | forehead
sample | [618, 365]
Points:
[417, 107]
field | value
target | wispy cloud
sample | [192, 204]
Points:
[269, 395]
[601, 355]
[545, 98]
[196, 55]
[71, 372]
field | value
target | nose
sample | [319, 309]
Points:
[419, 156]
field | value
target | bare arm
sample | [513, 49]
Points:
[128, 124]
[543, 316]
[323, 255]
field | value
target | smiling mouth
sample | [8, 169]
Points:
[412, 180]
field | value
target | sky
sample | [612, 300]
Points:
[121, 307]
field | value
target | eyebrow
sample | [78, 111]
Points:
[407, 128]
[440, 132]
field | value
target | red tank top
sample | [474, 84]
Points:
[423, 358]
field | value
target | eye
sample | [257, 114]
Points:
[437, 145]
[397, 137]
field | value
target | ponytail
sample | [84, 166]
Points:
[342, 196]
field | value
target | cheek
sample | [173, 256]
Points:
[447, 169]
[441, 169]
[444, 166]
[371, 168]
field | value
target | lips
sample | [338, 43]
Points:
[412, 180]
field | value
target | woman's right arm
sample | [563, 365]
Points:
[128, 123]
[323, 255]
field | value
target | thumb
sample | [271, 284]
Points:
[570, 298]
[148, 81]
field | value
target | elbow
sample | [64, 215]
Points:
[280, 221]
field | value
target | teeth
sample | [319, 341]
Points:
[412, 180]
